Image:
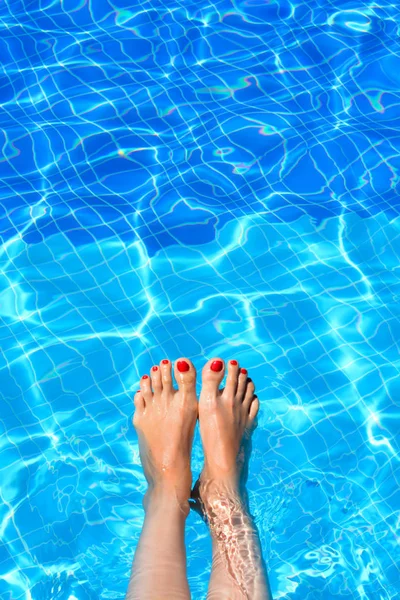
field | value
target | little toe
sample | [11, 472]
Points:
[213, 373]
[249, 395]
[145, 388]
[253, 412]
[185, 375]
[139, 403]
[166, 376]
[156, 379]
[232, 378]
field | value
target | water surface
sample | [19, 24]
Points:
[204, 180]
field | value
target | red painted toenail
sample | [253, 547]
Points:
[145, 377]
[183, 366]
[244, 371]
[155, 368]
[165, 361]
[216, 365]
[234, 362]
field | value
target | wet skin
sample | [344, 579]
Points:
[165, 419]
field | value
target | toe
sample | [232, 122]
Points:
[155, 375]
[242, 384]
[232, 378]
[248, 395]
[139, 406]
[145, 388]
[166, 376]
[185, 375]
[253, 412]
[213, 373]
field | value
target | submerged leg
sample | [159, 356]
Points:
[165, 422]
[159, 566]
[227, 419]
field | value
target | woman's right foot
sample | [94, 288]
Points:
[227, 418]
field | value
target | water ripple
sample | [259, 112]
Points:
[200, 180]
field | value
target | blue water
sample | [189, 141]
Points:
[200, 179]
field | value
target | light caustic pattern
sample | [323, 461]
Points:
[199, 179]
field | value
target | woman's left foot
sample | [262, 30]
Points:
[227, 419]
[165, 419]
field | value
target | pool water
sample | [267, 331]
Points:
[200, 179]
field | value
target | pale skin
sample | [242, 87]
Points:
[165, 420]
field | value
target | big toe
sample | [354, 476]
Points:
[213, 374]
[185, 375]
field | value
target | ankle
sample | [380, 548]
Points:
[220, 482]
[167, 498]
[224, 490]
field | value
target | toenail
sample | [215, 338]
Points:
[155, 368]
[165, 361]
[244, 371]
[249, 380]
[145, 377]
[183, 366]
[216, 365]
[234, 362]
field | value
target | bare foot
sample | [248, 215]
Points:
[165, 420]
[227, 418]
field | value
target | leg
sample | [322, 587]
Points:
[227, 419]
[159, 567]
[165, 422]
